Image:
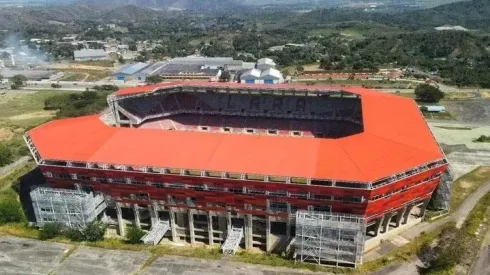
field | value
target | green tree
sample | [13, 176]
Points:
[18, 80]
[6, 153]
[49, 231]
[55, 86]
[152, 79]
[132, 46]
[121, 60]
[94, 231]
[134, 234]
[10, 208]
[428, 93]
[225, 76]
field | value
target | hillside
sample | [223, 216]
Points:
[473, 14]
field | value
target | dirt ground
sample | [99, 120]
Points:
[77, 67]
[476, 111]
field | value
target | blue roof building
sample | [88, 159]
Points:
[131, 72]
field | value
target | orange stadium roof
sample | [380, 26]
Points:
[395, 138]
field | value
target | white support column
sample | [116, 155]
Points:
[173, 225]
[191, 226]
[153, 214]
[248, 232]
[120, 221]
[228, 221]
[268, 240]
[288, 222]
[137, 220]
[210, 228]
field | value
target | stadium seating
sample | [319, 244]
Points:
[310, 116]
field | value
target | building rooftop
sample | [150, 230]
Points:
[271, 72]
[251, 73]
[89, 53]
[395, 138]
[132, 68]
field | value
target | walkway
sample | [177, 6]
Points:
[16, 164]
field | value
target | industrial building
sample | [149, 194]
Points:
[90, 54]
[311, 171]
[201, 68]
[263, 73]
[131, 72]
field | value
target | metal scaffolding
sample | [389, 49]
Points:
[72, 208]
[329, 238]
[156, 233]
[233, 239]
[442, 194]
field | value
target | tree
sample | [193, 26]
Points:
[10, 209]
[152, 79]
[428, 93]
[55, 86]
[132, 46]
[6, 154]
[225, 76]
[134, 235]
[121, 60]
[18, 80]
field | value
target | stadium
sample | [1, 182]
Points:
[312, 171]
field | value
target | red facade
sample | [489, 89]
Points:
[246, 196]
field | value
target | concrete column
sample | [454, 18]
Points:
[153, 214]
[228, 221]
[191, 226]
[137, 220]
[120, 221]
[173, 225]
[179, 216]
[386, 221]
[268, 241]
[423, 208]
[210, 228]
[288, 227]
[407, 214]
[248, 232]
[288, 222]
[377, 225]
[399, 216]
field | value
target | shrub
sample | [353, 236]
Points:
[94, 231]
[134, 234]
[6, 154]
[49, 231]
[10, 209]
[74, 235]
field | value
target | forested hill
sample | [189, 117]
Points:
[473, 14]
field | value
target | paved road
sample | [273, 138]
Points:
[482, 263]
[25, 256]
[7, 169]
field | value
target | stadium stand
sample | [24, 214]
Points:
[307, 115]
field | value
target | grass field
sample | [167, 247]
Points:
[99, 63]
[468, 184]
[85, 75]
[22, 110]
